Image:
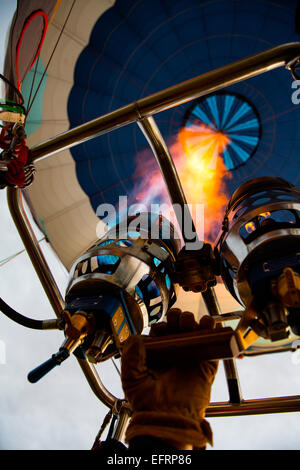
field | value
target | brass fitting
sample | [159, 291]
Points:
[79, 325]
[288, 288]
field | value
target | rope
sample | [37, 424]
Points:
[106, 421]
[33, 80]
[51, 56]
[116, 366]
[9, 258]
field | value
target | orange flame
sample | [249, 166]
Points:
[197, 156]
[265, 215]
[202, 172]
[250, 227]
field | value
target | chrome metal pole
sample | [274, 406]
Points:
[176, 95]
[14, 200]
[233, 382]
[122, 424]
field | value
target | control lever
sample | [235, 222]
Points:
[77, 327]
[56, 359]
[68, 346]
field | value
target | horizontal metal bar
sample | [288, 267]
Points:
[173, 96]
[255, 407]
[224, 317]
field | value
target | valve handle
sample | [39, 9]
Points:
[36, 374]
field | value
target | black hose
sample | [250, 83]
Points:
[17, 317]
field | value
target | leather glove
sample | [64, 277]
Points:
[169, 403]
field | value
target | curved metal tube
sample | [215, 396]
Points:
[95, 383]
[14, 199]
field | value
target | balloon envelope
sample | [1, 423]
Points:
[110, 53]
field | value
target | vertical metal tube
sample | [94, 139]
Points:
[211, 301]
[50, 287]
[122, 423]
[233, 383]
[172, 181]
[14, 200]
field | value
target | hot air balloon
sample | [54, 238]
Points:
[84, 76]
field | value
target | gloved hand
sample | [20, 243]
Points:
[169, 403]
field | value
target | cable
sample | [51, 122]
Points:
[8, 82]
[50, 58]
[116, 367]
[33, 80]
[11, 257]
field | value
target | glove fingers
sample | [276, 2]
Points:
[177, 322]
[207, 323]
[159, 329]
[187, 322]
[133, 366]
[173, 316]
[208, 369]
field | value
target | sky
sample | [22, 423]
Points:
[61, 411]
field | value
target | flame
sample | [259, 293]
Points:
[202, 172]
[196, 152]
[250, 227]
[265, 215]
